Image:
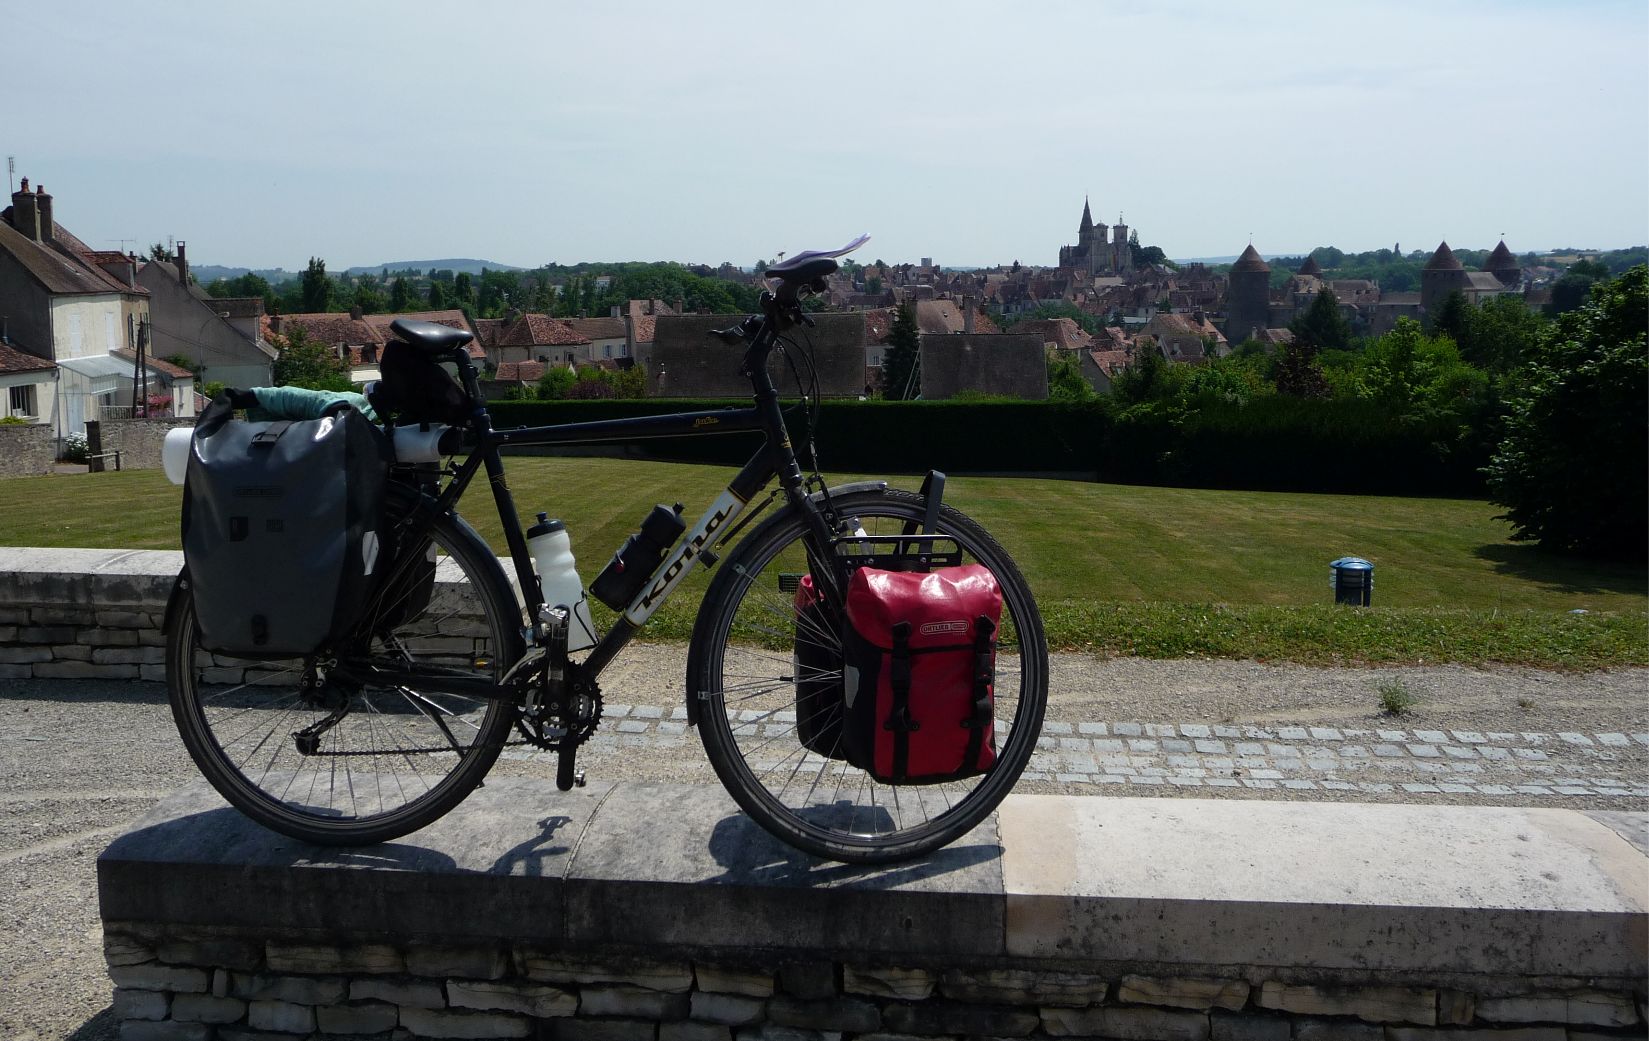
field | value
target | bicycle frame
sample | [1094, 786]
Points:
[775, 458]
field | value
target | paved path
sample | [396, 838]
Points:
[1078, 757]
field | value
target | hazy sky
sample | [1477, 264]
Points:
[969, 132]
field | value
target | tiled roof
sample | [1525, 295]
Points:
[598, 328]
[14, 360]
[155, 364]
[1443, 260]
[945, 316]
[646, 326]
[1250, 261]
[1274, 335]
[1111, 362]
[337, 329]
[521, 371]
[452, 319]
[1485, 280]
[1063, 333]
[1310, 267]
[539, 330]
[1501, 259]
[54, 268]
[878, 323]
[486, 331]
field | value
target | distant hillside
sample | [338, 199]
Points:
[456, 266]
[205, 274]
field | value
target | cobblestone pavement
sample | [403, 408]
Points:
[1082, 757]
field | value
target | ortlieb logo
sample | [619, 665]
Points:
[939, 628]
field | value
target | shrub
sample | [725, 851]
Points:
[1396, 699]
[75, 448]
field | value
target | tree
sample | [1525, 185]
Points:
[556, 382]
[463, 289]
[400, 295]
[317, 288]
[1322, 326]
[1412, 373]
[1147, 377]
[161, 251]
[1065, 382]
[901, 362]
[1575, 287]
[1573, 468]
[1298, 371]
[303, 362]
[437, 296]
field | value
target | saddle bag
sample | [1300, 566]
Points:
[917, 687]
[818, 670]
[281, 529]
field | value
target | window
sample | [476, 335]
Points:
[607, 351]
[109, 331]
[22, 400]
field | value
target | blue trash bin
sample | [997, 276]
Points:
[1353, 581]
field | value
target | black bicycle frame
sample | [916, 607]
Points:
[775, 458]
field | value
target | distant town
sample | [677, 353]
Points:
[87, 333]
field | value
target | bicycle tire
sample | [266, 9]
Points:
[237, 717]
[740, 672]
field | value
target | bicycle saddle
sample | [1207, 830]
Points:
[811, 264]
[430, 338]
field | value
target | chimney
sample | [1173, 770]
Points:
[131, 270]
[681, 306]
[43, 203]
[967, 314]
[649, 305]
[615, 310]
[181, 258]
[25, 213]
[354, 312]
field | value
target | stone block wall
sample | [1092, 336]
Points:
[138, 440]
[218, 983]
[84, 614]
[27, 449]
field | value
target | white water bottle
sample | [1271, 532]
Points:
[552, 552]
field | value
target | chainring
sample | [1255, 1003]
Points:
[570, 727]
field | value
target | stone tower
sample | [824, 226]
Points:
[1119, 247]
[1248, 298]
[1503, 266]
[1442, 275]
[1310, 267]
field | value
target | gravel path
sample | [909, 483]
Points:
[80, 760]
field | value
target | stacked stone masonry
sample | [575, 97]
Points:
[27, 450]
[204, 984]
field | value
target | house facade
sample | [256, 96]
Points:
[189, 324]
[69, 306]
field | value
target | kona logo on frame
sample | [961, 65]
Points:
[680, 563]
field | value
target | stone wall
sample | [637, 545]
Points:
[27, 449]
[188, 984]
[138, 440]
[84, 614]
[661, 913]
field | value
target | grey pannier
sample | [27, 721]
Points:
[281, 528]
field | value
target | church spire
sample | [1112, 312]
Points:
[1087, 218]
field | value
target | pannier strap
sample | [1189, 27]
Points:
[899, 720]
[984, 674]
[267, 437]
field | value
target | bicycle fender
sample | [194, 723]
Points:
[175, 601]
[693, 683]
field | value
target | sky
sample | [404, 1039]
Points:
[968, 132]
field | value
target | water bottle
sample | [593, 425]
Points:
[552, 552]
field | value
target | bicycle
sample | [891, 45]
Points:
[390, 729]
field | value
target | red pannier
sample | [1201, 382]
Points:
[919, 673]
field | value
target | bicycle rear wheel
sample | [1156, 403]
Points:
[742, 673]
[337, 762]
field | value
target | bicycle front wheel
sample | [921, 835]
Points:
[743, 674]
[338, 762]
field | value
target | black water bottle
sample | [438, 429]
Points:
[638, 558]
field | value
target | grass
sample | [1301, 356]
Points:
[1395, 698]
[1154, 572]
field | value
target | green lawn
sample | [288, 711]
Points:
[1119, 569]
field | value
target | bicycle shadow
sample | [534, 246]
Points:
[748, 855]
[532, 854]
[226, 837]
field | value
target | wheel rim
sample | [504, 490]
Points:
[396, 750]
[824, 803]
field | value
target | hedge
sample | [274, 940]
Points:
[1269, 443]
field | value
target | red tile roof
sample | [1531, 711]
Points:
[452, 319]
[337, 329]
[539, 330]
[14, 360]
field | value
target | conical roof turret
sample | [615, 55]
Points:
[1501, 259]
[1310, 267]
[1087, 217]
[1443, 260]
[1250, 261]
